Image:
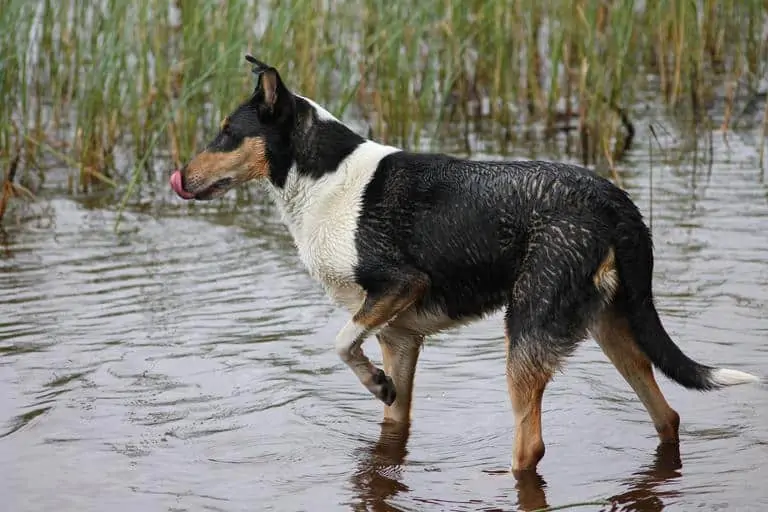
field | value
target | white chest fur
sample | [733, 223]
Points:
[322, 216]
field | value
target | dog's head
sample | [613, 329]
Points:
[254, 141]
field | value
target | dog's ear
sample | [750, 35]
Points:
[270, 94]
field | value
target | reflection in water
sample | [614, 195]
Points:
[5, 244]
[22, 420]
[378, 473]
[379, 469]
[531, 493]
[186, 363]
[644, 493]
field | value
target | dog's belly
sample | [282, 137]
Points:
[427, 322]
[351, 296]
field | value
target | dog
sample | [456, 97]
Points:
[411, 244]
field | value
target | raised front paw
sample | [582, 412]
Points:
[383, 387]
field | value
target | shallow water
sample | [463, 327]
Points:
[186, 363]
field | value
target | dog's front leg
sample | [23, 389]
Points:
[400, 353]
[379, 307]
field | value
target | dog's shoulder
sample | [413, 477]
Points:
[325, 229]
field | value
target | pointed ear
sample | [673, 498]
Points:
[270, 93]
[269, 82]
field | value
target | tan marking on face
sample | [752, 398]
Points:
[247, 162]
[606, 277]
[224, 123]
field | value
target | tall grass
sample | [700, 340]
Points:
[111, 87]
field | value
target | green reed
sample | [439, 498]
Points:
[114, 89]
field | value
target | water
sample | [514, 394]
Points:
[186, 363]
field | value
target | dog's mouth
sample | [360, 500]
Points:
[216, 189]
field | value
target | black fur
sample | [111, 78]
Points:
[526, 235]
[320, 145]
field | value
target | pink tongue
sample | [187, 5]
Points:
[176, 186]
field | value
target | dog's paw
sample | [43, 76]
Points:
[383, 387]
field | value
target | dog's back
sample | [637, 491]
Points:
[471, 225]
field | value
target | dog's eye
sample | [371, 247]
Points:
[226, 130]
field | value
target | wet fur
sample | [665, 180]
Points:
[412, 244]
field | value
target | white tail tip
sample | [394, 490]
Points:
[727, 377]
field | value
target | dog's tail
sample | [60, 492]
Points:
[634, 261]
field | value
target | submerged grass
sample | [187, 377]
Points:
[108, 87]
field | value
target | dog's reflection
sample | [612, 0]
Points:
[644, 493]
[378, 474]
[378, 478]
[643, 487]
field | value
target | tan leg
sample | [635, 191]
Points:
[615, 338]
[526, 395]
[375, 312]
[526, 383]
[400, 352]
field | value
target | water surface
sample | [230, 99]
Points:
[186, 363]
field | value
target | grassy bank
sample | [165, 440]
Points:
[111, 87]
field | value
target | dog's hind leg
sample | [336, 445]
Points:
[400, 353]
[389, 296]
[548, 313]
[526, 380]
[533, 356]
[535, 351]
[611, 330]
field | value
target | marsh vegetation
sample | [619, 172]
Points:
[116, 90]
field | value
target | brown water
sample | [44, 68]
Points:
[186, 363]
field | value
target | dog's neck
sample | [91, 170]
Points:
[295, 196]
[306, 198]
[332, 166]
[302, 190]
[322, 144]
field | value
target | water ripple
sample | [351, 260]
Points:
[189, 359]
